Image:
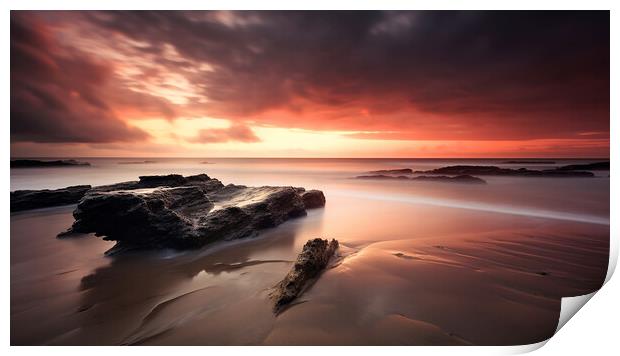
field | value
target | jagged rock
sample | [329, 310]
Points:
[33, 163]
[183, 212]
[35, 199]
[598, 166]
[456, 179]
[497, 171]
[312, 260]
[393, 171]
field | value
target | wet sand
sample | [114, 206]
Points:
[421, 264]
[498, 284]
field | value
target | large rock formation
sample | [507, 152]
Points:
[34, 163]
[185, 212]
[35, 199]
[497, 171]
[312, 260]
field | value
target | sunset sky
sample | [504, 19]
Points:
[310, 84]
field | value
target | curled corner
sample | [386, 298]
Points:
[613, 258]
[570, 306]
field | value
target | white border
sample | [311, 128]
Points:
[598, 328]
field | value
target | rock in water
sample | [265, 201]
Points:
[464, 178]
[310, 263]
[393, 171]
[35, 199]
[497, 171]
[184, 212]
[313, 199]
[598, 166]
[35, 163]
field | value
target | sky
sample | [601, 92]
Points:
[310, 84]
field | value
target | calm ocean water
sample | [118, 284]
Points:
[567, 198]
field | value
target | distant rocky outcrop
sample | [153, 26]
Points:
[382, 177]
[464, 178]
[312, 260]
[185, 212]
[497, 171]
[35, 199]
[35, 163]
[598, 166]
[529, 162]
[393, 171]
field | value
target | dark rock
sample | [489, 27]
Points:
[313, 199]
[393, 171]
[497, 171]
[383, 177]
[443, 179]
[598, 166]
[35, 163]
[184, 212]
[35, 199]
[529, 162]
[310, 263]
[171, 180]
[464, 178]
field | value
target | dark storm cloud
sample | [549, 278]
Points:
[496, 69]
[437, 74]
[57, 97]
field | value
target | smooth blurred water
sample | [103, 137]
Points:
[579, 199]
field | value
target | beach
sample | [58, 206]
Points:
[421, 263]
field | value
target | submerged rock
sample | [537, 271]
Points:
[312, 260]
[36, 199]
[34, 163]
[184, 212]
[497, 171]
